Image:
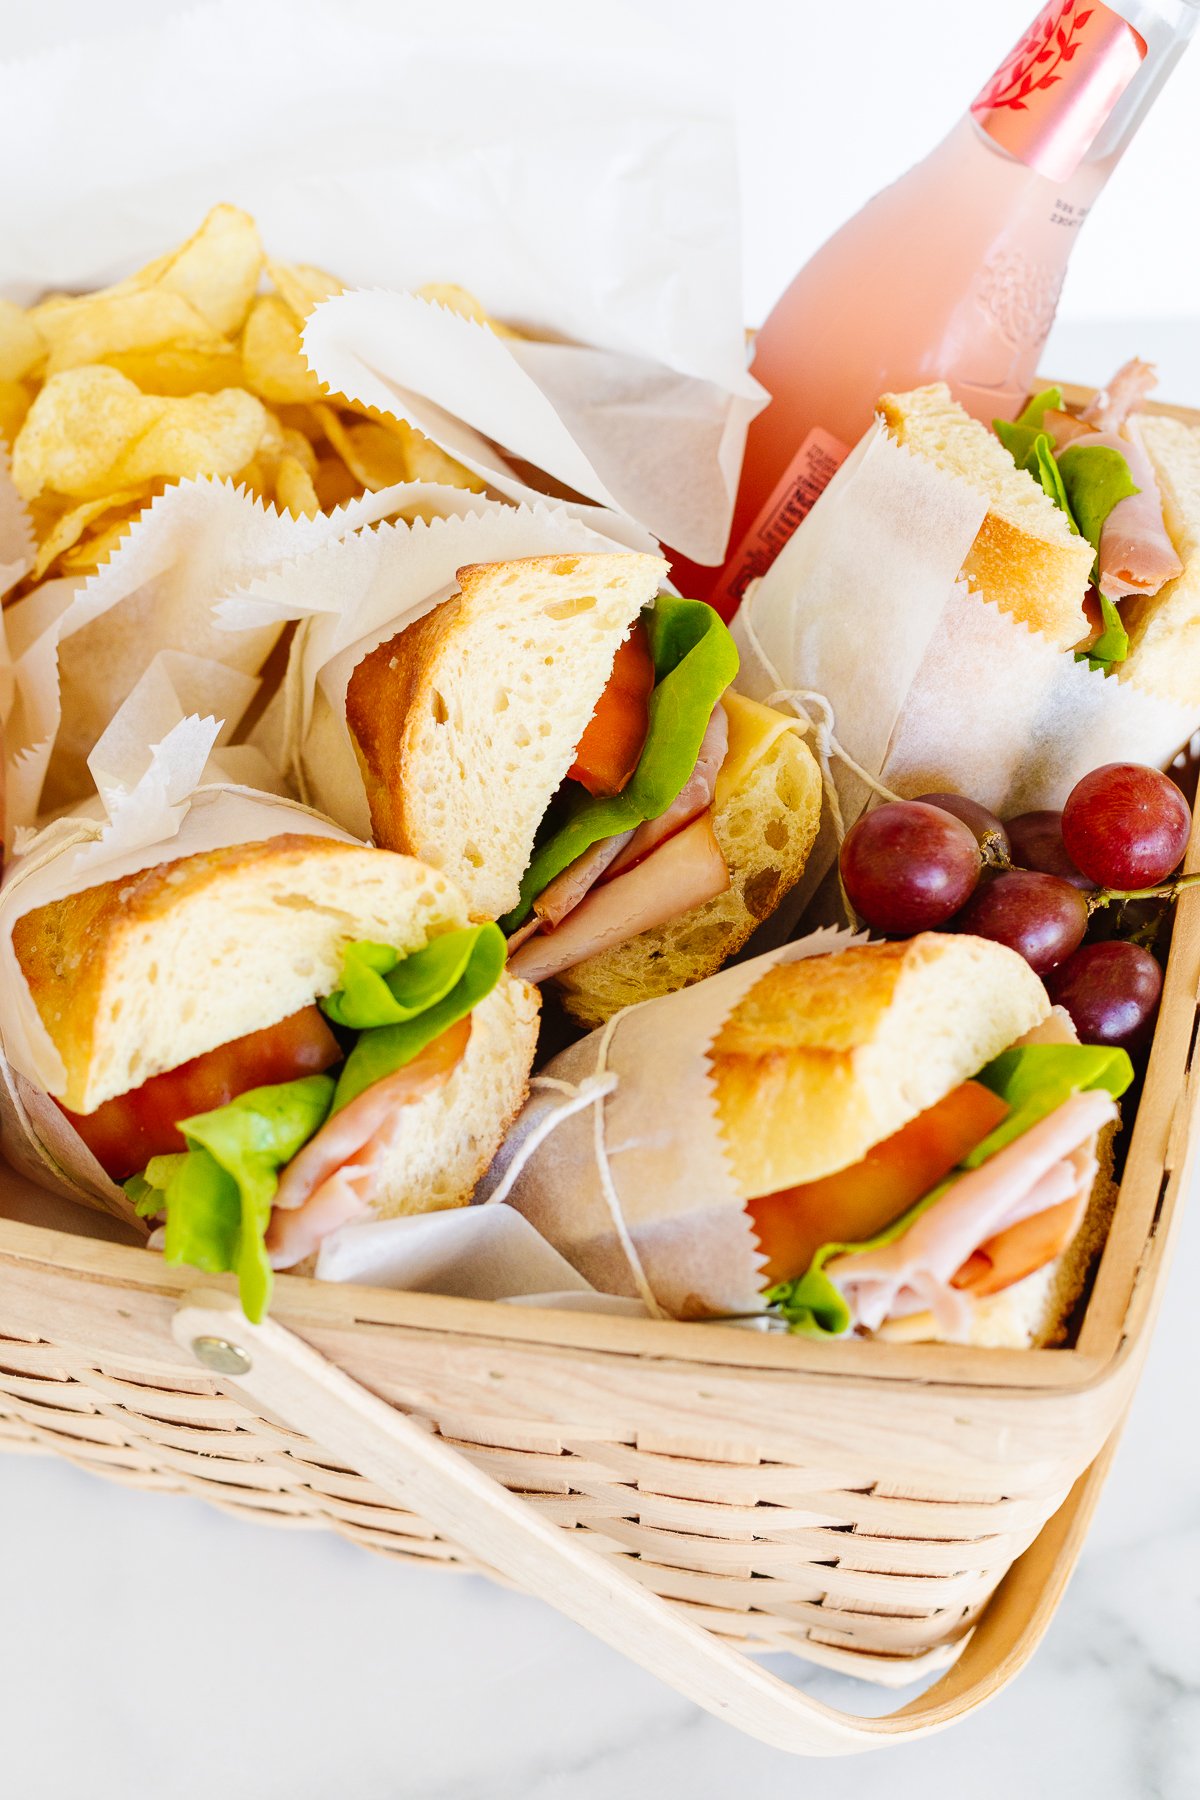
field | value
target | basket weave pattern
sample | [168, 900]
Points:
[779, 1555]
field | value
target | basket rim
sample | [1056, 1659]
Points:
[1128, 1281]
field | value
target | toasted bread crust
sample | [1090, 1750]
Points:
[1024, 559]
[466, 723]
[383, 697]
[126, 975]
[857, 1044]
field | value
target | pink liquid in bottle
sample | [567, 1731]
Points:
[951, 274]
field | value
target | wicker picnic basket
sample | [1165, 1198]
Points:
[691, 1493]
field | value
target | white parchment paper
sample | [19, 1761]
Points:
[677, 1191]
[79, 647]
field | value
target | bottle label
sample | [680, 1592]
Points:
[797, 491]
[1049, 100]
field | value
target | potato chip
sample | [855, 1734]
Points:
[22, 346]
[373, 456]
[384, 451]
[70, 526]
[255, 479]
[457, 300]
[334, 484]
[15, 401]
[272, 356]
[91, 551]
[90, 431]
[427, 461]
[297, 446]
[301, 286]
[171, 370]
[294, 490]
[98, 326]
[217, 269]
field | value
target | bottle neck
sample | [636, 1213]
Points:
[1078, 84]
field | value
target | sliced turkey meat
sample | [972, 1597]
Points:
[685, 872]
[1136, 553]
[695, 797]
[1051, 1165]
[564, 893]
[1125, 394]
[332, 1179]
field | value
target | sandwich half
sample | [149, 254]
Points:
[267, 1041]
[1025, 558]
[563, 741]
[926, 1146]
[1092, 534]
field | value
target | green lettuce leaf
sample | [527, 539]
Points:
[1034, 1079]
[1020, 436]
[1095, 478]
[379, 987]
[217, 1195]
[1112, 646]
[381, 1051]
[695, 660]
[1048, 475]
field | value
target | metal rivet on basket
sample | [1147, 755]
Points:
[219, 1354]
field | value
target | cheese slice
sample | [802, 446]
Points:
[753, 729]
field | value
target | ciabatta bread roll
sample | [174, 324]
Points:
[1025, 558]
[468, 726]
[913, 1137]
[191, 985]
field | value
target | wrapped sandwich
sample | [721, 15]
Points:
[564, 741]
[1092, 534]
[263, 1040]
[897, 1139]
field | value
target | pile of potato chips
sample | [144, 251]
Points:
[188, 369]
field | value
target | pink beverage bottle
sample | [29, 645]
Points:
[952, 273]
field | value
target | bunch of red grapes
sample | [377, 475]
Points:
[1036, 883]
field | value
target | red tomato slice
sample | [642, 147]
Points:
[615, 735]
[124, 1133]
[858, 1202]
[1011, 1255]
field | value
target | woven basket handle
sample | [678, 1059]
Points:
[291, 1381]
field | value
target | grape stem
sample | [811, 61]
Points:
[1167, 890]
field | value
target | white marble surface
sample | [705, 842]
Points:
[151, 1645]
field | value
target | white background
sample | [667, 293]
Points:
[834, 99]
[149, 1645]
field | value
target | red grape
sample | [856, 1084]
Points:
[1111, 991]
[1040, 917]
[1126, 825]
[986, 828]
[1036, 843]
[909, 867]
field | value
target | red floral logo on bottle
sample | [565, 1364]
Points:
[1049, 99]
[1052, 39]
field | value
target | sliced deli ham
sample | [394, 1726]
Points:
[1125, 394]
[686, 871]
[1136, 553]
[1051, 1165]
[331, 1180]
[695, 797]
[565, 892]
[613, 856]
